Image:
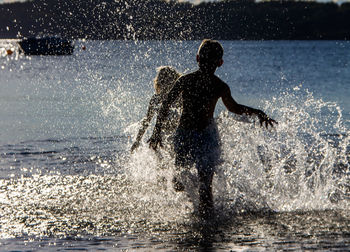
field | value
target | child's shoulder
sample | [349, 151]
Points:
[194, 75]
[197, 75]
[220, 84]
[188, 77]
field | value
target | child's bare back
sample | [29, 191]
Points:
[200, 93]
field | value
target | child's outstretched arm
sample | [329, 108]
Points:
[155, 139]
[239, 109]
[144, 124]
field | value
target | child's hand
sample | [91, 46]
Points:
[263, 118]
[154, 141]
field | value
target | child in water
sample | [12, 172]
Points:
[196, 139]
[164, 81]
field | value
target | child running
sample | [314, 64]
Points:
[196, 139]
[164, 81]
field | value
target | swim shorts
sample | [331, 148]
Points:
[201, 148]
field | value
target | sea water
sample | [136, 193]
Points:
[69, 181]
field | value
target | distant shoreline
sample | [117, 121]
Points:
[176, 40]
[171, 20]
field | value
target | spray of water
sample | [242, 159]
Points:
[302, 164]
[299, 165]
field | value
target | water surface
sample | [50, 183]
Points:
[68, 180]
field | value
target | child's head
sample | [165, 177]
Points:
[210, 54]
[165, 79]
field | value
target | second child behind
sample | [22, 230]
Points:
[163, 82]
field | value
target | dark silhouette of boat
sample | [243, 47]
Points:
[46, 46]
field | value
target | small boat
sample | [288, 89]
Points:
[46, 46]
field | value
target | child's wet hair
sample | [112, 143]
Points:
[210, 52]
[165, 79]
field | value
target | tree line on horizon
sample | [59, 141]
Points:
[165, 20]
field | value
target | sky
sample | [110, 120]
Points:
[194, 1]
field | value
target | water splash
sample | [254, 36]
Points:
[10, 51]
[302, 164]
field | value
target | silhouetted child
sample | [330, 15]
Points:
[196, 139]
[164, 81]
